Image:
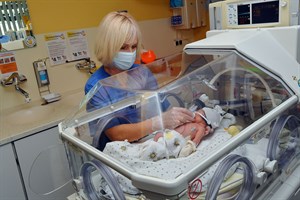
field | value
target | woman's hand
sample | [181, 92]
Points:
[171, 119]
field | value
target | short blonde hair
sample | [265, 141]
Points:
[115, 29]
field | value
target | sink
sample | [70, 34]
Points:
[29, 115]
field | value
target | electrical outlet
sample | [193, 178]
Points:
[178, 42]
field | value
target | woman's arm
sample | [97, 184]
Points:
[168, 120]
[130, 132]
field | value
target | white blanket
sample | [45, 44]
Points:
[166, 169]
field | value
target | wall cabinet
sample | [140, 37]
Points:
[44, 166]
[191, 14]
[10, 181]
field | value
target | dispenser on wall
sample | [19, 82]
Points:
[41, 73]
[188, 14]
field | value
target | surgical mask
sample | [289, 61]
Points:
[124, 60]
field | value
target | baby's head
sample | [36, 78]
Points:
[211, 116]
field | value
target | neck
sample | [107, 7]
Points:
[112, 70]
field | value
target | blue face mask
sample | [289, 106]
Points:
[124, 60]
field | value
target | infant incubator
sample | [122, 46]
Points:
[248, 74]
[250, 155]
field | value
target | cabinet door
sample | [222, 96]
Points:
[44, 166]
[10, 181]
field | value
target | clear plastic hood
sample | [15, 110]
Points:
[246, 96]
[228, 79]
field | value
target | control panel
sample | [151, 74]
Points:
[232, 14]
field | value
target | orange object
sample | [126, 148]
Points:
[148, 56]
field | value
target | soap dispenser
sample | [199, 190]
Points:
[41, 73]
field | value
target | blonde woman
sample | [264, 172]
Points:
[118, 45]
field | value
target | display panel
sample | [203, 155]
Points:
[266, 12]
[254, 13]
[243, 14]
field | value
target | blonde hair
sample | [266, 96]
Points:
[115, 29]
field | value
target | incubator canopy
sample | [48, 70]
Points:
[245, 95]
[227, 79]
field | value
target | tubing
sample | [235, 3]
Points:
[105, 172]
[164, 97]
[247, 188]
[247, 92]
[293, 123]
[268, 89]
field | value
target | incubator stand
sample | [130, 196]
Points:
[249, 156]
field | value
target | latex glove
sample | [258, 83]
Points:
[171, 119]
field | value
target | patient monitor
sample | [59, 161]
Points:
[239, 14]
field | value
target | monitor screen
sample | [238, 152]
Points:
[265, 12]
[243, 14]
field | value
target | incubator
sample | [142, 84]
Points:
[256, 93]
[249, 77]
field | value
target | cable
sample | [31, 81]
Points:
[88, 187]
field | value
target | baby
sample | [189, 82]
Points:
[182, 141]
[206, 120]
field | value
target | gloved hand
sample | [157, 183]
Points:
[171, 119]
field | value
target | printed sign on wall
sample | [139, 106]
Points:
[8, 64]
[63, 48]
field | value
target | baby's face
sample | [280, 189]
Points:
[199, 119]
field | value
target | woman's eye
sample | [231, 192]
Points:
[124, 47]
[127, 47]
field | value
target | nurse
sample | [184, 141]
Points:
[118, 45]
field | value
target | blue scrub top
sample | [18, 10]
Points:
[143, 79]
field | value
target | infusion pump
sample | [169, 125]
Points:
[237, 14]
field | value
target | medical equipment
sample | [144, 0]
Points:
[233, 69]
[239, 14]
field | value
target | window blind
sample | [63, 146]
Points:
[11, 15]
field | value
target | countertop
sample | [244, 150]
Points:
[33, 117]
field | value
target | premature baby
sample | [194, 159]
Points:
[182, 141]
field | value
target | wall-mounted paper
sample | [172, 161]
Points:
[8, 64]
[67, 47]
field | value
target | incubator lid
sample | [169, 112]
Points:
[137, 86]
[275, 49]
[242, 91]
[151, 89]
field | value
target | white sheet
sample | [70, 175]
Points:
[166, 169]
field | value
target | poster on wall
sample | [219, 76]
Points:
[67, 47]
[57, 48]
[78, 44]
[8, 64]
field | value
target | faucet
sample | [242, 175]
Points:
[87, 64]
[15, 79]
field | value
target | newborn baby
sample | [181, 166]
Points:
[182, 141]
[206, 120]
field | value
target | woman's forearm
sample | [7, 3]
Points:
[130, 132]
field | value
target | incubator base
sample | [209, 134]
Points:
[284, 187]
